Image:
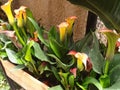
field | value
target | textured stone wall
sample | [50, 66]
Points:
[53, 12]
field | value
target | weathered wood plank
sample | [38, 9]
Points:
[22, 78]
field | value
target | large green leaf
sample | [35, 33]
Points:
[12, 56]
[40, 54]
[29, 24]
[39, 30]
[115, 61]
[90, 45]
[108, 11]
[60, 63]
[84, 45]
[96, 56]
[115, 74]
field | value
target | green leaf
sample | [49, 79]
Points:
[96, 57]
[115, 61]
[54, 70]
[29, 13]
[61, 64]
[71, 81]
[84, 45]
[30, 27]
[19, 67]
[12, 56]
[104, 81]
[115, 86]
[53, 33]
[91, 80]
[109, 12]
[39, 53]
[64, 79]
[58, 87]
[59, 50]
[39, 30]
[29, 24]
[3, 54]
[28, 56]
[114, 73]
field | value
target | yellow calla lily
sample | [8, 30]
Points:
[70, 21]
[20, 16]
[7, 9]
[81, 60]
[62, 28]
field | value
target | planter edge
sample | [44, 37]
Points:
[22, 78]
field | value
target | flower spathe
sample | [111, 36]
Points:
[112, 38]
[20, 16]
[62, 29]
[7, 9]
[74, 71]
[70, 21]
[83, 61]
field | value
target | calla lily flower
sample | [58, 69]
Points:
[70, 21]
[20, 16]
[74, 71]
[62, 29]
[83, 61]
[112, 38]
[7, 9]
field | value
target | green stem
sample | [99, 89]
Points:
[23, 31]
[35, 68]
[80, 86]
[107, 67]
[18, 35]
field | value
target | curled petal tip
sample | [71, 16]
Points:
[72, 52]
[63, 24]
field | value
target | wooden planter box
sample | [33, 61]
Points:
[22, 78]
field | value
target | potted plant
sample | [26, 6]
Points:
[54, 58]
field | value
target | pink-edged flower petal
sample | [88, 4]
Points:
[74, 71]
[72, 52]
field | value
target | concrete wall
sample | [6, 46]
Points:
[53, 12]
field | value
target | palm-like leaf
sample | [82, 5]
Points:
[108, 11]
